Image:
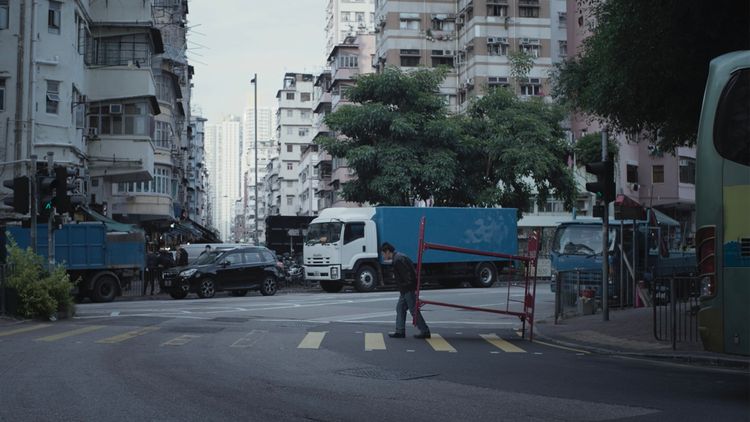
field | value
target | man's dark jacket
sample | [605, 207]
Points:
[404, 273]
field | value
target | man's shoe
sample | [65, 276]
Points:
[422, 335]
[396, 335]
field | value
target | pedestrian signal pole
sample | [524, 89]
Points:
[609, 192]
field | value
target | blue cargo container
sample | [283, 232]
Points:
[104, 262]
[342, 244]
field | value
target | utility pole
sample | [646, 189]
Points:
[255, 130]
[51, 219]
[34, 201]
[605, 239]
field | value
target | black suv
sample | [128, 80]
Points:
[235, 270]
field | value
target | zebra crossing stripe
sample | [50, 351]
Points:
[22, 330]
[440, 344]
[374, 341]
[312, 340]
[180, 340]
[127, 336]
[501, 344]
[71, 333]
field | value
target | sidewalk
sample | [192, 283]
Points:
[628, 332]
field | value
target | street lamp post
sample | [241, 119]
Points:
[254, 81]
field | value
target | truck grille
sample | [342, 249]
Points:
[571, 279]
[318, 261]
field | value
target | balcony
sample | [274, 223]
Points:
[121, 82]
[121, 12]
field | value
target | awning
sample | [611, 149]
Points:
[112, 225]
[662, 218]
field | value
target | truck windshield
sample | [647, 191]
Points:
[580, 240]
[323, 233]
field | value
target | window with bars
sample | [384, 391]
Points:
[78, 117]
[122, 51]
[687, 170]
[122, 119]
[53, 97]
[632, 173]
[409, 21]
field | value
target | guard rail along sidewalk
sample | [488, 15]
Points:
[526, 314]
[676, 303]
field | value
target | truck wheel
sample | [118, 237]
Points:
[105, 288]
[268, 287]
[331, 286]
[207, 288]
[366, 279]
[485, 276]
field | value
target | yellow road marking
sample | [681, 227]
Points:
[440, 344]
[249, 339]
[127, 336]
[374, 341]
[22, 330]
[82, 330]
[180, 341]
[501, 344]
[312, 340]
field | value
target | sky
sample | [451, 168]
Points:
[230, 40]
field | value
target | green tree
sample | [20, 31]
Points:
[512, 149]
[521, 64]
[644, 67]
[397, 138]
[588, 148]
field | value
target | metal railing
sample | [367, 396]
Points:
[576, 293]
[676, 304]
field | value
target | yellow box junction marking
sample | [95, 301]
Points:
[181, 340]
[501, 344]
[82, 330]
[440, 344]
[22, 330]
[312, 340]
[374, 341]
[127, 336]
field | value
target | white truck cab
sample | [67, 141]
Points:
[341, 247]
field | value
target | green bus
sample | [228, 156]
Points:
[723, 206]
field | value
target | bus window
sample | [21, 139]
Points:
[732, 122]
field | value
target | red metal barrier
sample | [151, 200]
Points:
[529, 279]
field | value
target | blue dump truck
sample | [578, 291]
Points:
[576, 255]
[342, 244]
[104, 260]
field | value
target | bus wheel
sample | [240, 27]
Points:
[485, 275]
[331, 286]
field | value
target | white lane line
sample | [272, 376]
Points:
[115, 313]
[374, 341]
[312, 340]
[249, 339]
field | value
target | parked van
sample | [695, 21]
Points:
[195, 249]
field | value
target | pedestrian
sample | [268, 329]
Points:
[151, 270]
[207, 250]
[182, 257]
[406, 279]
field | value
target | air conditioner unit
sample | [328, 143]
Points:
[447, 52]
[534, 81]
[470, 81]
[115, 109]
[92, 131]
[459, 21]
[491, 40]
[502, 40]
[525, 41]
[634, 187]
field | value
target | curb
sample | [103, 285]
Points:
[728, 362]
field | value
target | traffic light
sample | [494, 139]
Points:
[604, 187]
[46, 193]
[19, 200]
[62, 189]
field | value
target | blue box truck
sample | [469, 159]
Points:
[342, 244]
[105, 261]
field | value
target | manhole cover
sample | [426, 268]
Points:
[384, 374]
[198, 330]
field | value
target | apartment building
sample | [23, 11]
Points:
[294, 133]
[104, 87]
[345, 18]
[266, 149]
[473, 38]
[223, 142]
[197, 173]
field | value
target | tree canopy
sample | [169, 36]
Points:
[645, 65]
[403, 146]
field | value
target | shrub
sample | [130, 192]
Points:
[40, 293]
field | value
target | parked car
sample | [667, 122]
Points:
[235, 270]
